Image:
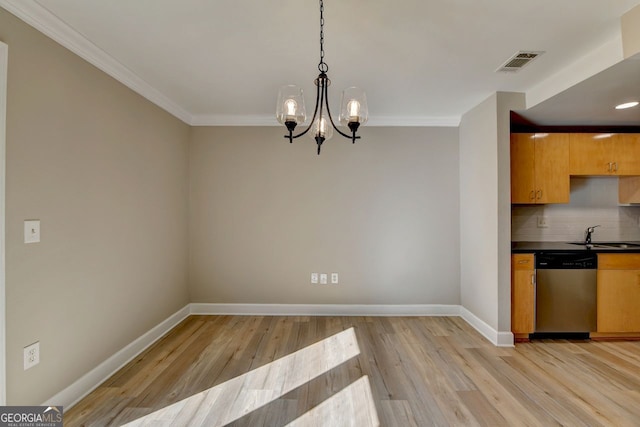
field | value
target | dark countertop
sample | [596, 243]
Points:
[542, 247]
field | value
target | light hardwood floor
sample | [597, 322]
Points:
[407, 371]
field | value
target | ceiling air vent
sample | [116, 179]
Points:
[518, 61]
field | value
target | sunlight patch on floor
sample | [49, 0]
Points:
[239, 396]
[351, 406]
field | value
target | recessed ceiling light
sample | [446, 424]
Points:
[626, 105]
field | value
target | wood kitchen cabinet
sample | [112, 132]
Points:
[539, 168]
[618, 299]
[604, 154]
[522, 295]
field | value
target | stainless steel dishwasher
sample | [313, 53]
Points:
[566, 292]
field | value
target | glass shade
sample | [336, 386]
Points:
[290, 106]
[353, 107]
[321, 126]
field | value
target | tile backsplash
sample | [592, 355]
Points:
[594, 201]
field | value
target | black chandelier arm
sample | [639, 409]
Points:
[322, 101]
[352, 137]
[291, 137]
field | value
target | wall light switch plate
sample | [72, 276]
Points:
[323, 278]
[334, 278]
[32, 231]
[314, 278]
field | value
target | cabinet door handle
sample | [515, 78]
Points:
[533, 278]
[615, 166]
[526, 261]
[532, 195]
[609, 167]
[539, 194]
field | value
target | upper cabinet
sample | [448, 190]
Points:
[604, 154]
[539, 168]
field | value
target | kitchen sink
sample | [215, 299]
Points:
[609, 245]
[619, 245]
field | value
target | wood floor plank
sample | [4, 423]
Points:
[589, 392]
[184, 381]
[396, 413]
[484, 413]
[499, 370]
[351, 406]
[612, 357]
[420, 371]
[499, 399]
[547, 392]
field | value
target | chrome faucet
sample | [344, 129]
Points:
[589, 231]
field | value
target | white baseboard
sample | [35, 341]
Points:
[92, 379]
[327, 309]
[87, 383]
[505, 339]
[497, 338]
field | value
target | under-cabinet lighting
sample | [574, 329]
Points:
[603, 135]
[539, 135]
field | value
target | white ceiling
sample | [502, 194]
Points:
[592, 102]
[420, 61]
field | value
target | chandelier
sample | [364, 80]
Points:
[290, 110]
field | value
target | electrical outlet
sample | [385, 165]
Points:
[334, 278]
[323, 278]
[31, 355]
[543, 222]
[314, 278]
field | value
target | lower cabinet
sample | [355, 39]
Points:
[618, 293]
[522, 294]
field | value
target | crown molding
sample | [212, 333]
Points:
[376, 121]
[415, 121]
[234, 120]
[40, 18]
[50, 25]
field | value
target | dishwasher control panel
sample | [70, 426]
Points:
[566, 261]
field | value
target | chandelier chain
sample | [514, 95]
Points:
[322, 66]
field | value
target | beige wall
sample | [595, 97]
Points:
[383, 213]
[479, 211]
[630, 28]
[106, 173]
[485, 211]
[507, 102]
